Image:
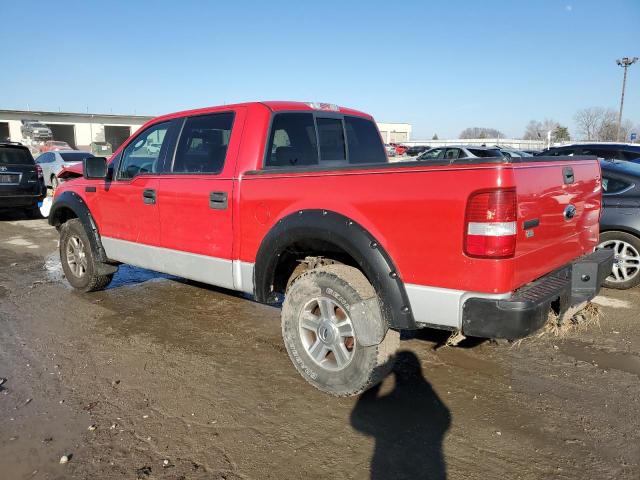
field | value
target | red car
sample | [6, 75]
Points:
[54, 145]
[400, 149]
[298, 205]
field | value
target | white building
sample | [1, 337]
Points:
[395, 132]
[77, 129]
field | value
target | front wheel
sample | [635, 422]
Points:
[78, 262]
[320, 335]
[626, 262]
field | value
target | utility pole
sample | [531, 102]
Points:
[624, 63]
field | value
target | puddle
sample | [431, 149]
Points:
[127, 274]
[130, 275]
[625, 362]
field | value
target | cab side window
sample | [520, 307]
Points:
[203, 144]
[143, 154]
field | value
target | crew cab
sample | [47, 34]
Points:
[298, 205]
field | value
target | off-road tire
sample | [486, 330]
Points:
[634, 242]
[347, 286]
[89, 281]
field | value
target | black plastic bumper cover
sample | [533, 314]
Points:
[527, 309]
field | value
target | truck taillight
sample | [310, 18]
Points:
[39, 171]
[490, 226]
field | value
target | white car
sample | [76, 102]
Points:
[390, 149]
[52, 162]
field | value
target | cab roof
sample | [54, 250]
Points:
[274, 106]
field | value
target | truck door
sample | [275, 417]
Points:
[195, 197]
[126, 207]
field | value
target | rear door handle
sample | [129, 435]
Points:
[218, 200]
[149, 196]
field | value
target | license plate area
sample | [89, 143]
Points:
[9, 178]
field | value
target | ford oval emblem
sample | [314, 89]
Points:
[569, 212]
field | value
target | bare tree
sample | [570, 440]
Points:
[481, 132]
[588, 122]
[608, 127]
[536, 130]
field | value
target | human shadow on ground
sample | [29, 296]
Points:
[408, 424]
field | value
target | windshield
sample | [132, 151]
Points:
[38, 125]
[15, 156]
[75, 156]
[490, 152]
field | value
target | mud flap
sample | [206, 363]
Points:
[368, 322]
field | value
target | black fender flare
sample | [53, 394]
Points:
[75, 203]
[356, 241]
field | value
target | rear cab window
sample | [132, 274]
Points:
[486, 153]
[317, 139]
[75, 156]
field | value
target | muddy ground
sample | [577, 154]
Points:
[185, 381]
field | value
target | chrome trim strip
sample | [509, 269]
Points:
[442, 306]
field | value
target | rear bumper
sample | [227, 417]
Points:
[526, 310]
[21, 200]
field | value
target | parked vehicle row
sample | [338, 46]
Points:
[236, 196]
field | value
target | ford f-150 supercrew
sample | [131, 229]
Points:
[296, 204]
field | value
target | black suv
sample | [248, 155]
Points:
[21, 180]
[608, 151]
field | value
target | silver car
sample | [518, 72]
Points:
[52, 162]
[453, 152]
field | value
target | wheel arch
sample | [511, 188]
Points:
[70, 205]
[330, 234]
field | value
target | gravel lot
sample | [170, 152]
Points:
[186, 381]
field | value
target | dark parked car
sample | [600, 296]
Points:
[620, 221]
[416, 150]
[21, 181]
[608, 151]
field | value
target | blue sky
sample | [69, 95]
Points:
[440, 65]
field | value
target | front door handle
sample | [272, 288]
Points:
[218, 200]
[149, 196]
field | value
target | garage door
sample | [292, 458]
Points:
[116, 135]
[63, 133]
[4, 131]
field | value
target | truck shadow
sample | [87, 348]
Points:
[408, 424]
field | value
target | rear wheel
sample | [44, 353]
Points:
[78, 262]
[626, 263]
[320, 335]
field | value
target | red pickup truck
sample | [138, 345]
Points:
[297, 205]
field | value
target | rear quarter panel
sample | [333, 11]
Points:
[417, 214]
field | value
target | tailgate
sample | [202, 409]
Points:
[558, 213]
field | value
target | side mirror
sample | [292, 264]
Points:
[94, 168]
